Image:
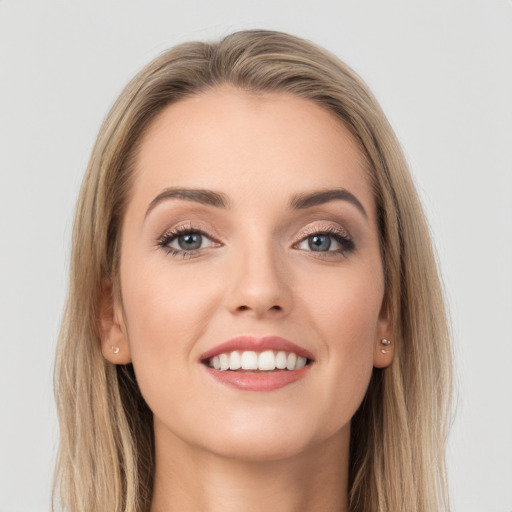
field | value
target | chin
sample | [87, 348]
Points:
[268, 440]
[272, 447]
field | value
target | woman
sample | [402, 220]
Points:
[255, 318]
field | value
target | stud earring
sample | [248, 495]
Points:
[385, 343]
[115, 349]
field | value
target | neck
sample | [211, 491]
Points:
[188, 478]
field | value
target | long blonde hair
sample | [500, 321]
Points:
[106, 459]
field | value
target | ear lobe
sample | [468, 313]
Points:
[384, 345]
[383, 353]
[114, 340]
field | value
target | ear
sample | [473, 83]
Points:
[114, 340]
[384, 343]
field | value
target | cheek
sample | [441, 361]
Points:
[161, 304]
[346, 307]
[345, 313]
[165, 316]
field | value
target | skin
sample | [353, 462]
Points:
[220, 448]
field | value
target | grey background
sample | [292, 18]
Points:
[441, 70]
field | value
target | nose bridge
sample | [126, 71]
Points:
[258, 281]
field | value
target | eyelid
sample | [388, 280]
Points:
[171, 234]
[327, 228]
[323, 227]
[186, 226]
[341, 237]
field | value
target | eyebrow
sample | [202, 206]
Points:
[219, 200]
[302, 201]
[202, 196]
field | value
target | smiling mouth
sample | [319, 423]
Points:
[252, 361]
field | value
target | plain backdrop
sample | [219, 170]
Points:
[442, 72]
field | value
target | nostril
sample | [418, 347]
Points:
[271, 308]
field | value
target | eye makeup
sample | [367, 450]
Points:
[188, 240]
[319, 238]
[322, 240]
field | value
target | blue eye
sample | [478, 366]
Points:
[190, 241]
[319, 243]
[331, 242]
[185, 241]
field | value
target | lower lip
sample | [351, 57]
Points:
[258, 381]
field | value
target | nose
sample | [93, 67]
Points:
[260, 283]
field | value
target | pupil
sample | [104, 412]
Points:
[320, 243]
[190, 241]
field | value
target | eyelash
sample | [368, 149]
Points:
[341, 237]
[169, 237]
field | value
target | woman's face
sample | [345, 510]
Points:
[250, 230]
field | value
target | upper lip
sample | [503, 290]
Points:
[257, 344]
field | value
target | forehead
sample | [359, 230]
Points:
[244, 143]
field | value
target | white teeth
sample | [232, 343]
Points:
[249, 360]
[290, 361]
[235, 362]
[224, 361]
[267, 360]
[281, 360]
[301, 362]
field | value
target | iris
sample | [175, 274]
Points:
[190, 241]
[319, 242]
